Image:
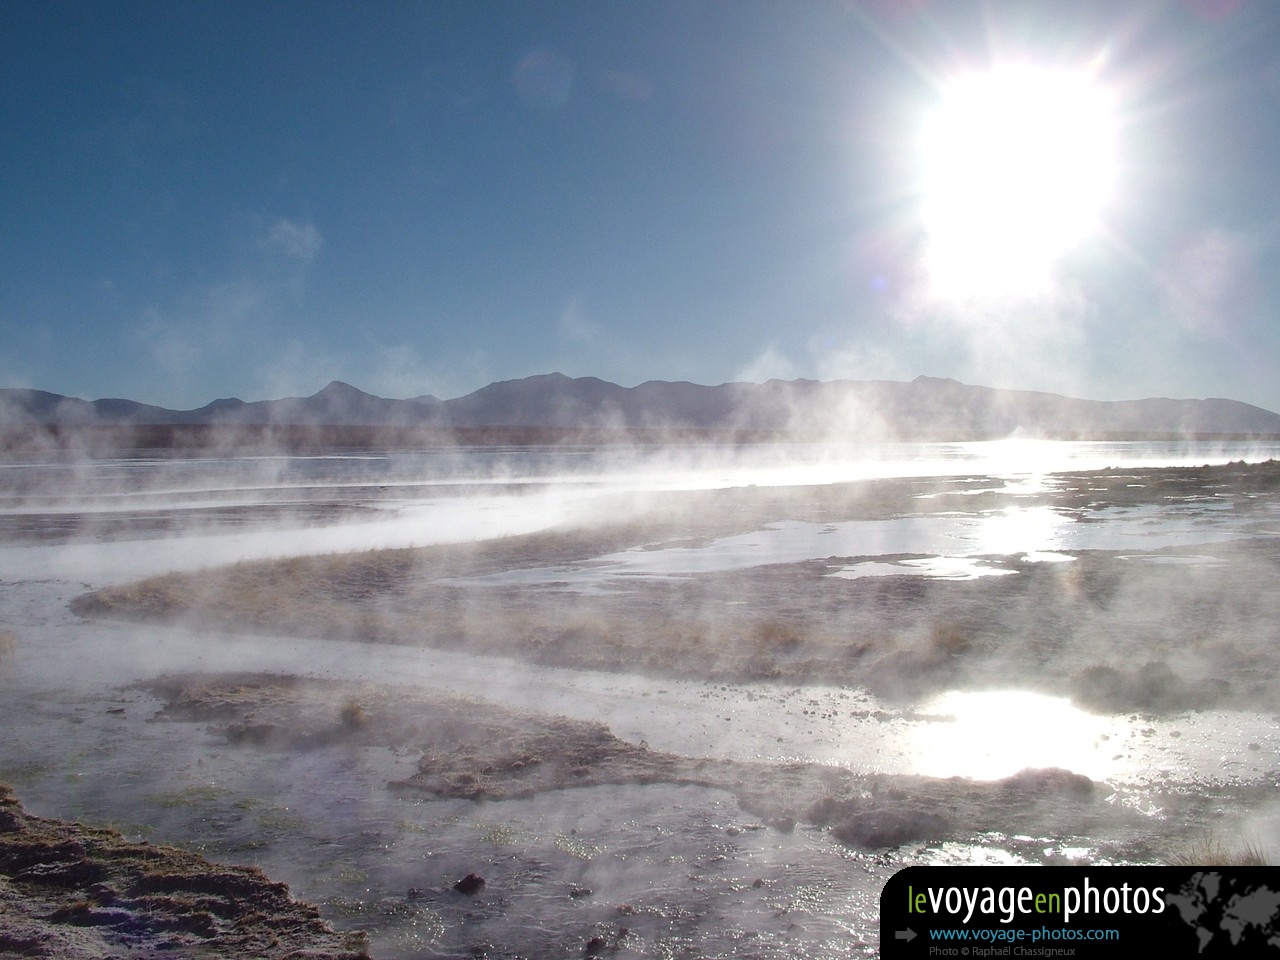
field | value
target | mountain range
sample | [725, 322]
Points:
[924, 408]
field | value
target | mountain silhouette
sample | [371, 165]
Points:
[924, 408]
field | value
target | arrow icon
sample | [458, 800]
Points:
[907, 934]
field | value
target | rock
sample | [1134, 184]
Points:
[1050, 782]
[471, 884]
[1151, 688]
[890, 827]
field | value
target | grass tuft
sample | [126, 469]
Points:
[1211, 851]
[353, 714]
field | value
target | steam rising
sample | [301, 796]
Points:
[799, 608]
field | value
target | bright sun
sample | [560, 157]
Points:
[1018, 163]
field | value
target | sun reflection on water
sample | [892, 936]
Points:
[992, 734]
[1020, 529]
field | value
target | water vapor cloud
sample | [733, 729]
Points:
[299, 241]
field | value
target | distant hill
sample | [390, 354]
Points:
[924, 408]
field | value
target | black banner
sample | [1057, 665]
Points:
[978, 912]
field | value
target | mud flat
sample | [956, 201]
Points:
[465, 748]
[1111, 603]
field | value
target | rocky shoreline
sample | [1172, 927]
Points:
[77, 892]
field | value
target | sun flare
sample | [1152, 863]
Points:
[1018, 164]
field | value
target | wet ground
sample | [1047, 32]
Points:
[656, 869]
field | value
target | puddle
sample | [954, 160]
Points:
[953, 546]
[935, 568]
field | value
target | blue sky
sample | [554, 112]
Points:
[205, 200]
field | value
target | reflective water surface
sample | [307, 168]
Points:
[682, 870]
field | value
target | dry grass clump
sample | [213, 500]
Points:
[1212, 851]
[949, 639]
[331, 595]
[353, 714]
[778, 636]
